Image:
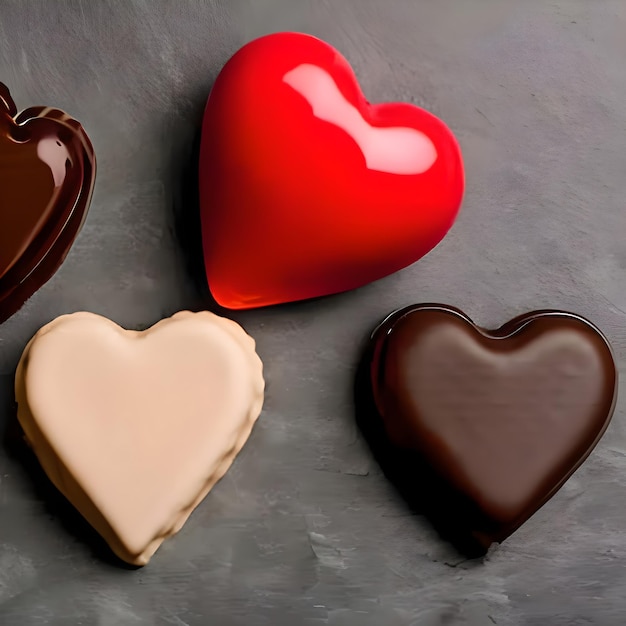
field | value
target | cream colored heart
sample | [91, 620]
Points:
[135, 428]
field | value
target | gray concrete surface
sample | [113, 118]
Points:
[304, 529]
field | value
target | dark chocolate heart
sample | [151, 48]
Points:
[47, 174]
[484, 426]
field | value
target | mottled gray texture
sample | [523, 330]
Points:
[304, 529]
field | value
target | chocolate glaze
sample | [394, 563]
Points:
[47, 174]
[479, 428]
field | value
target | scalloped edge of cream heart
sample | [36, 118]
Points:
[69, 486]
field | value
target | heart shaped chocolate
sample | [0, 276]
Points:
[307, 189]
[485, 425]
[135, 428]
[47, 174]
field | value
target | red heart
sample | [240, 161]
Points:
[306, 189]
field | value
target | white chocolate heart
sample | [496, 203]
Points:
[135, 428]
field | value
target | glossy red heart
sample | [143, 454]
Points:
[307, 189]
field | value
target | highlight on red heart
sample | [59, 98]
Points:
[306, 188]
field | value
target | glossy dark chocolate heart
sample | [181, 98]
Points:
[494, 421]
[47, 173]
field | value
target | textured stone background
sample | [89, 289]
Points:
[304, 529]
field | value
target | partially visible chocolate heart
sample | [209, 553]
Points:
[47, 174]
[484, 426]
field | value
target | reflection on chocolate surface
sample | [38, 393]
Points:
[47, 173]
[480, 428]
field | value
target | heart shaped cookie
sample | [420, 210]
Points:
[492, 422]
[47, 174]
[135, 428]
[307, 189]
